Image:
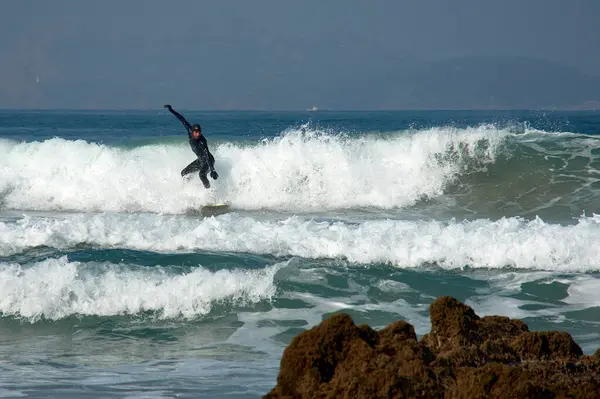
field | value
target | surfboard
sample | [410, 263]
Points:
[213, 210]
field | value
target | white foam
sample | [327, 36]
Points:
[513, 242]
[512, 307]
[299, 170]
[583, 290]
[10, 393]
[508, 283]
[57, 288]
[393, 286]
[254, 332]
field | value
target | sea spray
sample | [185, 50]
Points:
[301, 170]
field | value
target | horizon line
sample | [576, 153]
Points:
[305, 110]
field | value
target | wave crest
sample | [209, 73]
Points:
[303, 169]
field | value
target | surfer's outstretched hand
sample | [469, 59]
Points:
[214, 175]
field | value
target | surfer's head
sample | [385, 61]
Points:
[196, 131]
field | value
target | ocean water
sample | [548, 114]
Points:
[112, 285]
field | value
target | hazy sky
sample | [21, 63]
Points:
[265, 54]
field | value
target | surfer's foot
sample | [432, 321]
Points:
[205, 182]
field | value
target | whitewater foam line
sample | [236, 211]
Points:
[56, 288]
[511, 242]
[301, 170]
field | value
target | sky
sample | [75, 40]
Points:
[294, 55]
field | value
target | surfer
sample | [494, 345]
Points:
[198, 143]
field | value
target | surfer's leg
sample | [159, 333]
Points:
[194, 166]
[202, 175]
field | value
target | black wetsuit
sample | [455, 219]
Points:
[205, 161]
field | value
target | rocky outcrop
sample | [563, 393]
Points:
[463, 356]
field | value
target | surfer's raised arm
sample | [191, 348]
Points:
[180, 117]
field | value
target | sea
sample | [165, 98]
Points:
[113, 284]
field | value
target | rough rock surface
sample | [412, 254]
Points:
[463, 356]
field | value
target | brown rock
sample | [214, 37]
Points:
[338, 359]
[497, 381]
[455, 326]
[463, 356]
[546, 345]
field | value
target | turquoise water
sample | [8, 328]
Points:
[112, 285]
